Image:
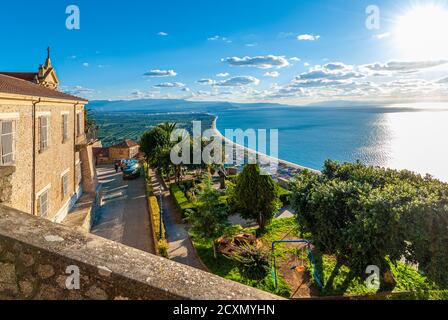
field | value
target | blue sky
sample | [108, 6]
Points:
[120, 41]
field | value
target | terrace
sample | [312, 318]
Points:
[36, 254]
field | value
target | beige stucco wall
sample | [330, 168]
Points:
[123, 153]
[51, 163]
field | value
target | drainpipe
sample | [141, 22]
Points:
[33, 175]
[75, 118]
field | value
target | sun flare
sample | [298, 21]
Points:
[421, 33]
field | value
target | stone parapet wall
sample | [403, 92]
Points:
[35, 255]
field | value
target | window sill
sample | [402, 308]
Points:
[42, 151]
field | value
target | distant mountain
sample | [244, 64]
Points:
[158, 106]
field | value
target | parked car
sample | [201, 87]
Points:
[131, 169]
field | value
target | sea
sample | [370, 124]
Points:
[412, 136]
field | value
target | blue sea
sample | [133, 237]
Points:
[401, 136]
[411, 136]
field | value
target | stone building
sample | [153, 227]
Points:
[46, 161]
[127, 149]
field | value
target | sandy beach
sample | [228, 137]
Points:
[277, 167]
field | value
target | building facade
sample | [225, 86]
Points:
[46, 162]
[127, 149]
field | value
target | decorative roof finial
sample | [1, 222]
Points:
[48, 61]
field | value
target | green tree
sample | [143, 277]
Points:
[156, 145]
[256, 196]
[368, 216]
[210, 219]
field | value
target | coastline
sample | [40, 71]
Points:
[281, 163]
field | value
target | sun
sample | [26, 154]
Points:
[422, 33]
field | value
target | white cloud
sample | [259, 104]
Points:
[308, 37]
[295, 59]
[444, 80]
[262, 62]
[220, 38]
[382, 36]
[273, 74]
[404, 66]
[162, 34]
[238, 81]
[207, 81]
[85, 64]
[306, 64]
[170, 85]
[251, 45]
[161, 73]
[331, 71]
[77, 91]
[222, 74]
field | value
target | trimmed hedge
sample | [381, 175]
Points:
[154, 211]
[180, 199]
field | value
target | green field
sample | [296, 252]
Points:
[114, 127]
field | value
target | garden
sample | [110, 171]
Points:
[372, 232]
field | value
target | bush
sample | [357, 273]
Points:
[163, 246]
[181, 201]
[364, 215]
[154, 211]
[285, 196]
[252, 261]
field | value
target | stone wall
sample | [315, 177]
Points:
[6, 183]
[35, 254]
[59, 158]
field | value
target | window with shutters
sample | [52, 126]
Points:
[43, 204]
[44, 129]
[78, 124]
[78, 174]
[7, 142]
[64, 128]
[64, 186]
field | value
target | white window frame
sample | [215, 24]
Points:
[44, 144]
[78, 173]
[65, 184]
[39, 196]
[13, 141]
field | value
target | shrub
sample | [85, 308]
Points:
[252, 261]
[154, 211]
[364, 215]
[181, 201]
[285, 196]
[163, 246]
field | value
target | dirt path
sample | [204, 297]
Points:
[124, 215]
[180, 246]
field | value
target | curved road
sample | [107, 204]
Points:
[124, 216]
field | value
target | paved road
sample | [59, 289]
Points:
[180, 246]
[124, 215]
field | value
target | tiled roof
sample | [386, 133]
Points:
[126, 144]
[28, 76]
[14, 85]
